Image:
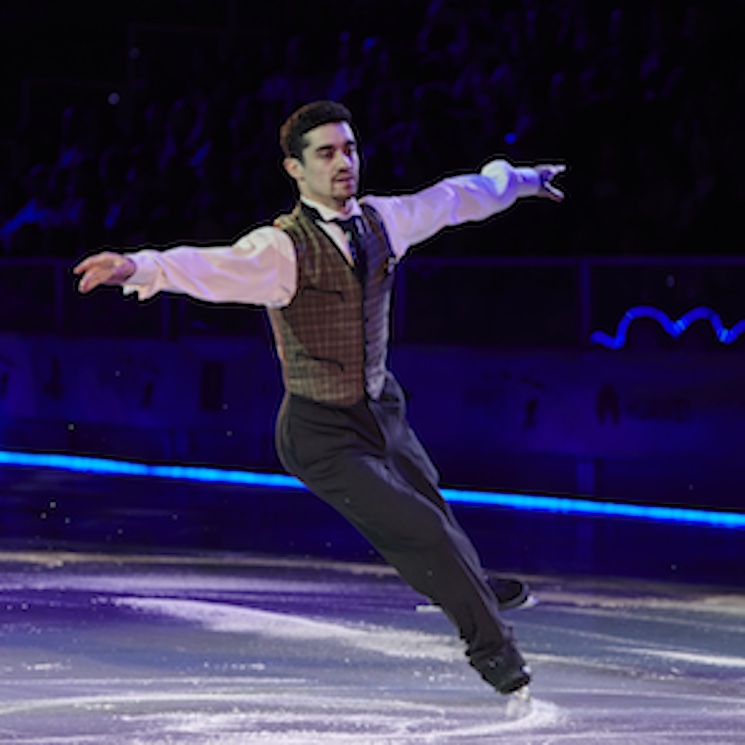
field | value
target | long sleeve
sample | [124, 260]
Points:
[259, 269]
[412, 218]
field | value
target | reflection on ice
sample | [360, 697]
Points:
[227, 618]
[189, 653]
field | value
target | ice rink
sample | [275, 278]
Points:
[227, 649]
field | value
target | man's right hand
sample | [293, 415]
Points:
[106, 268]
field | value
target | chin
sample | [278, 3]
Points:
[347, 188]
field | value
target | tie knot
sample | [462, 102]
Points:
[349, 224]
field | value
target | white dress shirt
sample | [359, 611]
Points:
[260, 268]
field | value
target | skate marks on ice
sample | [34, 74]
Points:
[129, 654]
[630, 662]
[210, 654]
[275, 712]
[290, 696]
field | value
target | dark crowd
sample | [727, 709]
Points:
[643, 101]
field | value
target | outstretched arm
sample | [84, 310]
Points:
[259, 269]
[412, 218]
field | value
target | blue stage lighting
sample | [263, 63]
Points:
[557, 505]
[571, 505]
[672, 327]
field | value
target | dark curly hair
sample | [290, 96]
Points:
[312, 115]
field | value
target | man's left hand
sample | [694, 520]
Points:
[546, 189]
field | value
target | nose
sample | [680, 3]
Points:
[343, 159]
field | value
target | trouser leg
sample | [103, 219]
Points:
[347, 458]
[412, 462]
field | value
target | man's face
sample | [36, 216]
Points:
[330, 167]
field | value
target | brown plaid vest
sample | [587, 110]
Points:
[332, 339]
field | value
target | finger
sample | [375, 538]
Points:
[86, 283]
[548, 171]
[547, 189]
[550, 191]
[555, 194]
[93, 278]
[93, 261]
[83, 265]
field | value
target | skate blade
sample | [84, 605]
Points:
[428, 608]
[521, 694]
[530, 602]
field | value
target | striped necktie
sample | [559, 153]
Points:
[353, 229]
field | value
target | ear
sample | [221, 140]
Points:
[294, 168]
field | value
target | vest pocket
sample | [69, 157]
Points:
[323, 291]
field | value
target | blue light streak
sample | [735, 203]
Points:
[86, 464]
[570, 505]
[673, 327]
[527, 502]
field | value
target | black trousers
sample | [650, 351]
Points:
[367, 463]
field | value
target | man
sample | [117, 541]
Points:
[325, 273]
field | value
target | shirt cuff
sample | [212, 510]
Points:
[525, 181]
[144, 276]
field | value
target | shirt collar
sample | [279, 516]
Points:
[327, 214]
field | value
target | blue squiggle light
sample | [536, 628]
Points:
[673, 327]
[529, 502]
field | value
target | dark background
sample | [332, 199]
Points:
[155, 123]
[642, 101]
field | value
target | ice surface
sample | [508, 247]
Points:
[200, 651]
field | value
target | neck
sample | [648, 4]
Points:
[344, 207]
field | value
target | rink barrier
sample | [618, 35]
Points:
[527, 502]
